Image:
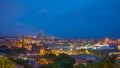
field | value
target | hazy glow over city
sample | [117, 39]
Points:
[64, 18]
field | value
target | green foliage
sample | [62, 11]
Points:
[51, 66]
[90, 65]
[20, 61]
[14, 51]
[96, 65]
[80, 66]
[112, 58]
[65, 61]
[50, 56]
[6, 63]
[61, 61]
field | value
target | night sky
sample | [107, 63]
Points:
[61, 18]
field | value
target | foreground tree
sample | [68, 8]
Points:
[6, 63]
[65, 61]
[51, 66]
[50, 56]
[61, 61]
[20, 61]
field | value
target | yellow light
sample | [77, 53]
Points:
[87, 52]
[42, 51]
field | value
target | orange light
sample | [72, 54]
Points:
[107, 40]
[42, 51]
[119, 47]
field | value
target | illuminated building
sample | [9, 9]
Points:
[107, 40]
[117, 62]
[27, 43]
[80, 60]
[119, 44]
[55, 52]
[38, 49]
[42, 51]
[24, 42]
[18, 43]
[45, 61]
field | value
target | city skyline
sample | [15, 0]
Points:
[79, 19]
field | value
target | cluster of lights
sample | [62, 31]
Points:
[24, 58]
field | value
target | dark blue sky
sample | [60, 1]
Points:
[62, 18]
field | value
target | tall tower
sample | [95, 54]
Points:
[22, 41]
[41, 34]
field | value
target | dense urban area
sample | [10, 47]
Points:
[42, 51]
